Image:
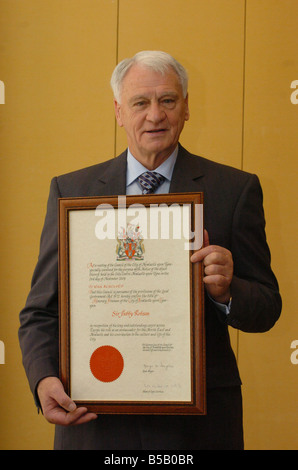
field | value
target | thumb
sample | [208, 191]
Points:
[65, 401]
[206, 238]
[51, 388]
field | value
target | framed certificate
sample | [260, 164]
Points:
[131, 303]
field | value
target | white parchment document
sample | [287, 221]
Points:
[130, 306]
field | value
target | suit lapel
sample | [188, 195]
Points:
[187, 174]
[112, 181]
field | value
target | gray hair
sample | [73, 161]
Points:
[157, 60]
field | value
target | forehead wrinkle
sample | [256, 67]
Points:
[148, 96]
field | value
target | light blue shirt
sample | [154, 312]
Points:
[135, 169]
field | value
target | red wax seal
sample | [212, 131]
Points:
[106, 363]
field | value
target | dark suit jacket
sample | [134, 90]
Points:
[234, 218]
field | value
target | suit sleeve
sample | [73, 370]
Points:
[39, 330]
[256, 302]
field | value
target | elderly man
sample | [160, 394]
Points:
[151, 103]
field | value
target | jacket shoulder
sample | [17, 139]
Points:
[208, 166]
[219, 177]
[96, 169]
[86, 181]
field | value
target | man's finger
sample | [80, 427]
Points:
[206, 238]
[201, 253]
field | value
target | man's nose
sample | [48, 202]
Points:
[155, 113]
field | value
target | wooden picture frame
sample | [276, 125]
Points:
[131, 304]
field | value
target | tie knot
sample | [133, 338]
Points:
[149, 181]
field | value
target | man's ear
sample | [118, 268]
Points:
[117, 107]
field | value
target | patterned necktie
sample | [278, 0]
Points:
[150, 180]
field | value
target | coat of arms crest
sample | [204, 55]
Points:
[130, 244]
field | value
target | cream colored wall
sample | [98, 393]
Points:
[56, 58]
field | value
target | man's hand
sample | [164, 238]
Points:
[57, 406]
[218, 269]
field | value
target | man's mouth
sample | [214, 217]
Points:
[156, 131]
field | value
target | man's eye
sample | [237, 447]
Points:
[169, 102]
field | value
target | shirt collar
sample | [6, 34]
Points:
[135, 168]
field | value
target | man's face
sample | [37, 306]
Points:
[152, 112]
